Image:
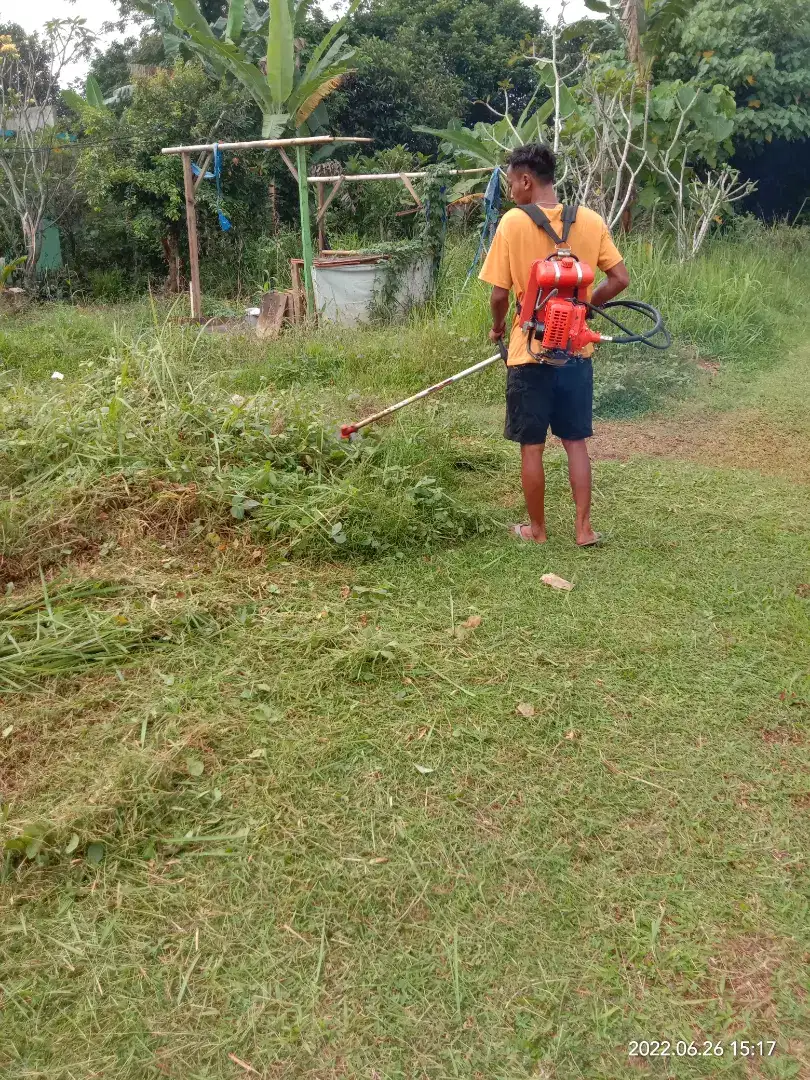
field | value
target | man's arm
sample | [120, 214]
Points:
[499, 306]
[616, 281]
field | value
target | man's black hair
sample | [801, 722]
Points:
[535, 158]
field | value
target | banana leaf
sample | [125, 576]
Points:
[273, 124]
[230, 56]
[309, 86]
[530, 129]
[93, 94]
[236, 18]
[324, 45]
[317, 96]
[524, 116]
[301, 10]
[73, 100]
[188, 17]
[463, 139]
[545, 74]
[280, 52]
[336, 54]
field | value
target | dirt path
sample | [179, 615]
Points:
[770, 434]
[743, 439]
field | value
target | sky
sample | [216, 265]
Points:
[32, 14]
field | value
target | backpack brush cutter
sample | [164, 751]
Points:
[553, 316]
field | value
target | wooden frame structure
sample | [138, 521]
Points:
[324, 201]
[299, 172]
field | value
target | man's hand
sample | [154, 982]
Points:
[496, 333]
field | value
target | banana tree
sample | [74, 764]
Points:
[286, 92]
[8, 269]
[491, 144]
[262, 51]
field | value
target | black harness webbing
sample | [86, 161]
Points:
[569, 216]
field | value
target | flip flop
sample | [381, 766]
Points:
[517, 530]
[594, 543]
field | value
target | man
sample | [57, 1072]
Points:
[539, 395]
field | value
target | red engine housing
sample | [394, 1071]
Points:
[551, 311]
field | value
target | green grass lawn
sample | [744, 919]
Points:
[417, 814]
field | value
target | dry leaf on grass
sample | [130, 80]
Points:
[243, 1064]
[556, 582]
[525, 709]
[463, 630]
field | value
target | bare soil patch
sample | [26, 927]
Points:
[745, 967]
[741, 439]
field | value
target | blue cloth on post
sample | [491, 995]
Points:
[224, 221]
[492, 211]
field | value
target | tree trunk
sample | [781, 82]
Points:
[32, 237]
[171, 253]
[626, 220]
[272, 196]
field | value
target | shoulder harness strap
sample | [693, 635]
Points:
[569, 216]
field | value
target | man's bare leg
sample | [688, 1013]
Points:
[579, 474]
[533, 478]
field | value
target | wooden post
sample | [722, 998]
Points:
[193, 249]
[319, 219]
[306, 235]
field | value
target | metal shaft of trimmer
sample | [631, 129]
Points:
[349, 429]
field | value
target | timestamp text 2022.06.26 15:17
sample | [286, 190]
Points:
[709, 1048]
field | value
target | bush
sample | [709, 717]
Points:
[108, 286]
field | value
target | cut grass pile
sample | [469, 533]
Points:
[399, 810]
[59, 635]
[149, 420]
[248, 430]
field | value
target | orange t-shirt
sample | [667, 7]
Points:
[519, 242]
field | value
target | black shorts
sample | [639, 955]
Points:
[539, 396]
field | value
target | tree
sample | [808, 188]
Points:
[592, 36]
[122, 164]
[477, 43]
[761, 52]
[616, 137]
[36, 165]
[646, 25]
[382, 99]
[33, 54]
